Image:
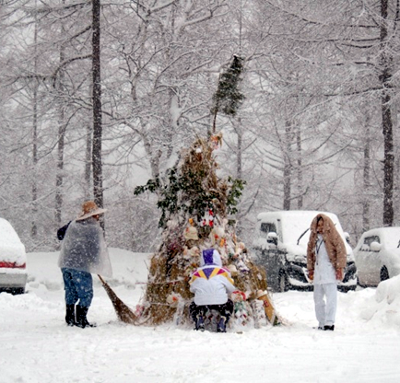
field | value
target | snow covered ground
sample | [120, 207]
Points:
[36, 346]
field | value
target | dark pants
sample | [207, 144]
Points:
[225, 310]
[78, 285]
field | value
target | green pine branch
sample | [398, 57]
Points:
[228, 97]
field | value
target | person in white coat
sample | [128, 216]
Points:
[326, 259]
[211, 285]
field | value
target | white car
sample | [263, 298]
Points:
[377, 255]
[13, 273]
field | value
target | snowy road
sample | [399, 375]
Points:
[37, 346]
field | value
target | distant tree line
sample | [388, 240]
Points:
[96, 97]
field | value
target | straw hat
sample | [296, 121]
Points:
[261, 293]
[191, 233]
[89, 209]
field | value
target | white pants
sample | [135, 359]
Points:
[325, 312]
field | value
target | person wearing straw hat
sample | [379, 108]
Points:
[83, 251]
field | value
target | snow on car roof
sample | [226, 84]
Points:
[296, 222]
[389, 236]
[11, 247]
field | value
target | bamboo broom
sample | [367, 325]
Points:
[124, 313]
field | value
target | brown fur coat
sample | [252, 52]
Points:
[334, 244]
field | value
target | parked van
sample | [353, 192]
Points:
[281, 247]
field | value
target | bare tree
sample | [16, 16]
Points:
[97, 108]
[385, 78]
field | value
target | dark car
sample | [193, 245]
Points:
[281, 247]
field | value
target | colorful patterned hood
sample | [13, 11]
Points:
[210, 257]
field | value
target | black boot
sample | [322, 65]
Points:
[70, 315]
[81, 313]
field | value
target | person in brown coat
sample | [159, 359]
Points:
[326, 259]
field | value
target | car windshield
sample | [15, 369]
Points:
[296, 233]
[296, 229]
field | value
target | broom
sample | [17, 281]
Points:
[124, 313]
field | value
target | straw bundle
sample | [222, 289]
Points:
[124, 313]
[168, 293]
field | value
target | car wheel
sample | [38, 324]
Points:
[351, 288]
[384, 274]
[283, 282]
[17, 291]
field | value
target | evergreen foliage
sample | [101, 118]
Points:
[235, 192]
[184, 191]
[228, 97]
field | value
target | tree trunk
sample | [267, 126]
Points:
[287, 169]
[34, 160]
[60, 162]
[97, 109]
[239, 152]
[35, 134]
[88, 162]
[366, 178]
[387, 123]
[299, 170]
[61, 136]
